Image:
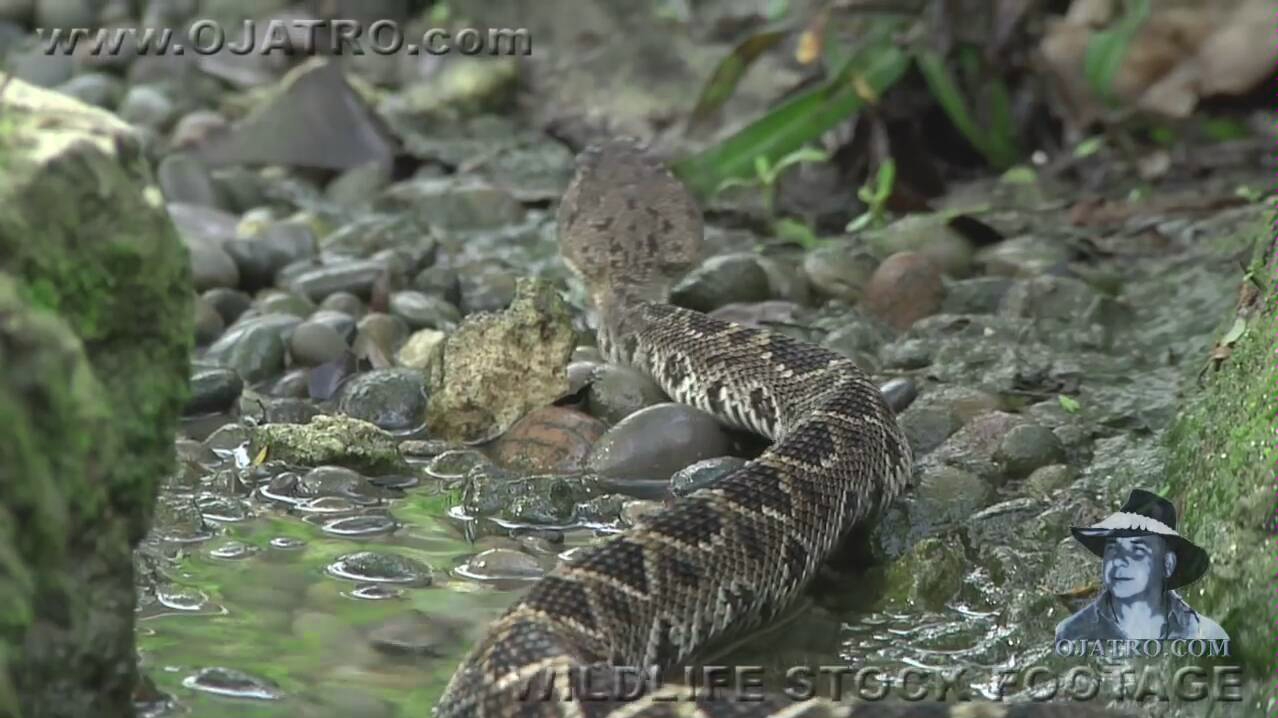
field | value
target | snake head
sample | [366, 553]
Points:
[626, 225]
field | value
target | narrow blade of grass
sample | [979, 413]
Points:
[1107, 49]
[997, 145]
[727, 75]
[799, 120]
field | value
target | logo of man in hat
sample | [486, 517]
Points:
[1143, 561]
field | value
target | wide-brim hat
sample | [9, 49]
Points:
[1147, 514]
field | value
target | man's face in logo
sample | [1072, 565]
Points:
[1135, 565]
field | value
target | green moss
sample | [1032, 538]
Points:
[95, 335]
[53, 488]
[79, 229]
[1221, 473]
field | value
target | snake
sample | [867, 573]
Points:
[722, 560]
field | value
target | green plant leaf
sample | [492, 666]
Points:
[859, 223]
[803, 154]
[1069, 404]
[727, 75]
[884, 181]
[731, 182]
[1107, 48]
[803, 118]
[1235, 332]
[795, 231]
[997, 144]
[1020, 174]
[1089, 146]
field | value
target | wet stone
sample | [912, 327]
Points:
[345, 303]
[353, 277]
[973, 447]
[375, 592]
[929, 575]
[1050, 297]
[232, 684]
[549, 439]
[1026, 256]
[233, 550]
[840, 271]
[280, 302]
[333, 481]
[927, 427]
[425, 448]
[230, 303]
[392, 399]
[314, 343]
[703, 473]
[722, 280]
[657, 441]
[604, 509]
[380, 330]
[147, 106]
[227, 439]
[965, 402]
[1071, 573]
[221, 508]
[456, 463]
[211, 266]
[501, 564]
[354, 526]
[208, 323]
[979, 295]
[287, 543]
[440, 282]
[179, 519]
[580, 375]
[1046, 480]
[413, 633]
[424, 311]
[213, 389]
[545, 500]
[379, 567]
[899, 393]
[277, 410]
[293, 385]
[279, 244]
[1028, 447]
[486, 287]
[858, 335]
[316, 510]
[909, 353]
[181, 598]
[905, 288]
[94, 88]
[254, 347]
[618, 391]
[185, 178]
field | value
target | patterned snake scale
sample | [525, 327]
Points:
[726, 558]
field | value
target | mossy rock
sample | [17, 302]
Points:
[1220, 473]
[84, 230]
[95, 335]
[60, 563]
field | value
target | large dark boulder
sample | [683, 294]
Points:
[95, 334]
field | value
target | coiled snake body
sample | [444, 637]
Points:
[725, 558]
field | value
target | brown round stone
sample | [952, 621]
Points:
[905, 288]
[552, 439]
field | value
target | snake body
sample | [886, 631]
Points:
[723, 559]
